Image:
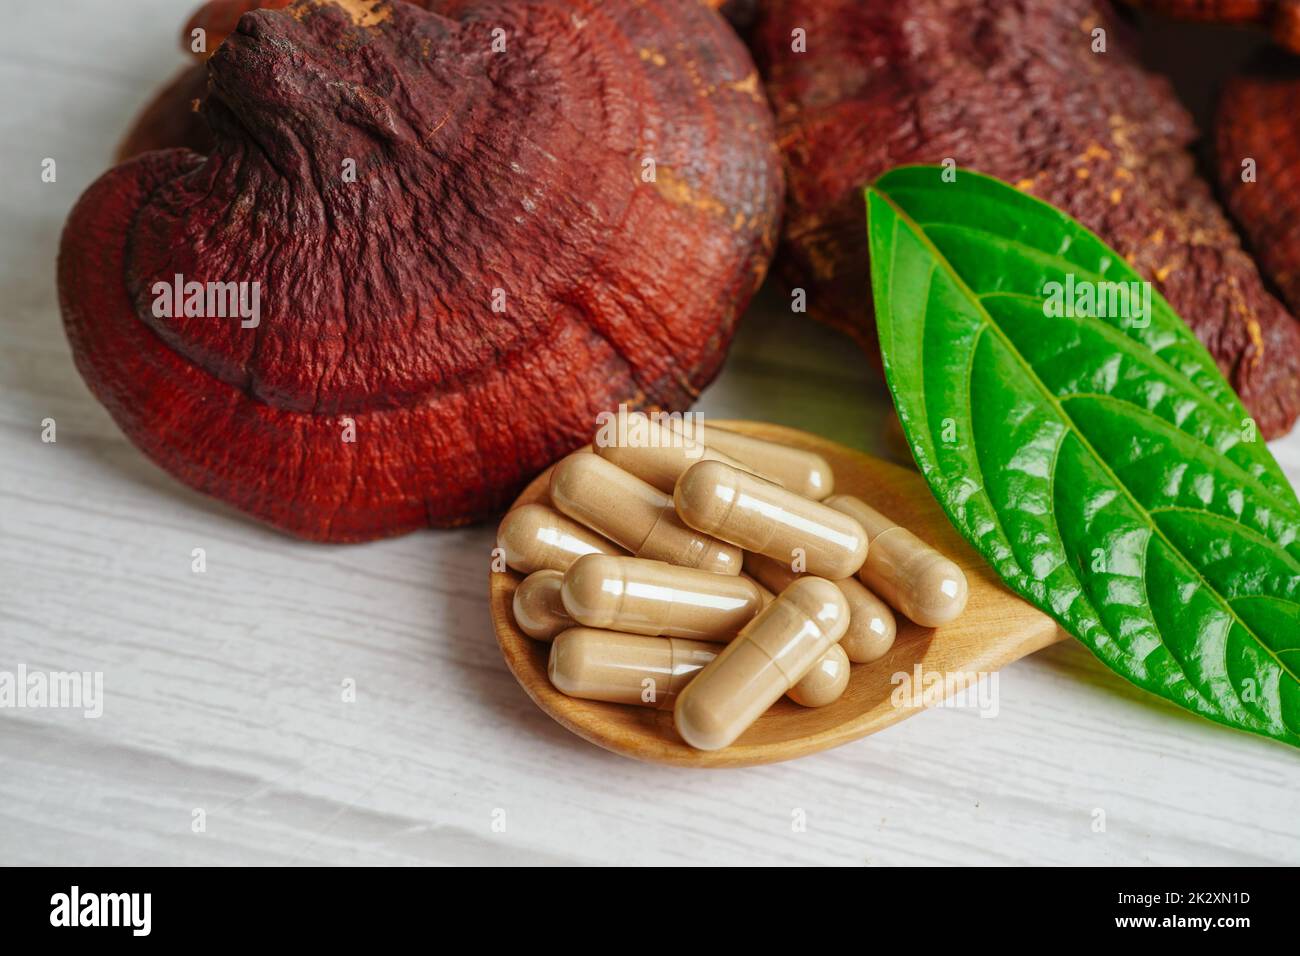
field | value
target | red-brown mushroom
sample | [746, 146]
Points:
[1014, 90]
[1258, 151]
[557, 206]
[172, 118]
[218, 19]
[1280, 17]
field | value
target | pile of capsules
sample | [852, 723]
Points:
[654, 566]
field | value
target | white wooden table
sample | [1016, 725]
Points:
[223, 689]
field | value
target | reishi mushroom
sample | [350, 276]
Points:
[1014, 90]
[172, 118]
[530, 237]
[1280, 17]
[1258, 151]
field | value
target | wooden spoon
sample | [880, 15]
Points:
[996, 629]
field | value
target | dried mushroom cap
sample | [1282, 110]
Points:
[171, 118]
[1014, 91]
[1257, 136]
[484, 181]
[1280, 17]
[218, 19]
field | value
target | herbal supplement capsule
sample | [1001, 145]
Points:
[816, 683]
[774, 575]
[535, 537]
[772, 654]
[635, 514]
[652, 597]
[872, 627]
[767, 596]
[814, 686]
[759, 516]
[794, 469]
[653, 453]
[539, 609]
[630, 669]
[625, 668]
[825, 683]
[904, 570]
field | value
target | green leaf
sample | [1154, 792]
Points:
[1102, 465]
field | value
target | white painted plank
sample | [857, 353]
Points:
[223, 689]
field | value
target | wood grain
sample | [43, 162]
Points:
[222, 689]
[996, 629]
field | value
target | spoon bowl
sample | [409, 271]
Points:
[996, 629]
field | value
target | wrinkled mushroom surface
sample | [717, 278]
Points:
[172, 119]
[437, 331]
[1014, 90]
[1258, 151]
[217, 18]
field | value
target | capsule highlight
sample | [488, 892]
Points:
[625, 668]
[635, 515]
[912, 576]
[538, 606]
[535, 537]
[872, 625]
[826, 682]
[655, 598]
[803, 472]
[739, 508]
[772, 654]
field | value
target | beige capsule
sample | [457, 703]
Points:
[816, 683]
[772, 654]
[805, 473]
[635, 514]
[774, 575]
[872, 626]
[656, 598]
[826, 682]
[535, 537]
[738, 507]
[613, 655]
[625, 668]
[538, 605]
[656, 454]
[768, 596]
[912, 576]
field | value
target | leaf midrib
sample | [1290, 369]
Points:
[1244, 477]
[942, 262]
[1247, 531]
[1114, 335]
[1092, 275]
[1223, 414]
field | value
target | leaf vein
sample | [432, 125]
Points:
[1188, 567]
